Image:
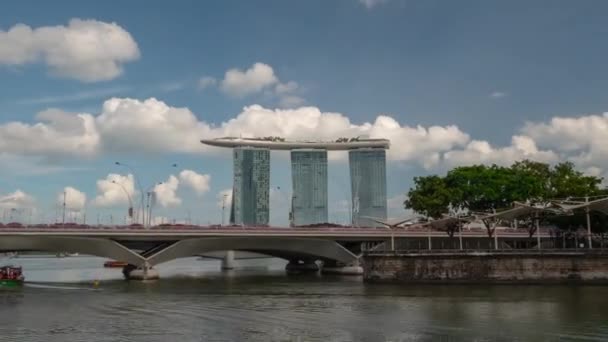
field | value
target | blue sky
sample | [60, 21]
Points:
[456, 82]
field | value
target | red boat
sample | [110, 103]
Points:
[114, 263]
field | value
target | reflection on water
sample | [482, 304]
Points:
[194, 301]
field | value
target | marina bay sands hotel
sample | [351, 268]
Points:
[251, 188]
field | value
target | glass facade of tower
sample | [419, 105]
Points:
[368, 185]
[309, 185]
[251, 190]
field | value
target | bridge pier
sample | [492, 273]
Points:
[228, 261]
[301, 266]
[143, 273]
[334, 267]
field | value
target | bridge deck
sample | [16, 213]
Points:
[324, 233]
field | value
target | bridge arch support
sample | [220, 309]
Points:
[277, 246]
[93, 246]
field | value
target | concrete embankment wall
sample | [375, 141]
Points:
[458, 267]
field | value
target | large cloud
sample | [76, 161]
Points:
[129, 125]
[240, 83]
[115, 189]
[259, 78]
[56, 132]
[132, 126]
[583, 139]
[150, 125]
[165, 192]
[522, 147]
[198, 182]
[75, 199]
[86, 50]
[17, 199]
[407, 143]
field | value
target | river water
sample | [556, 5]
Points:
[194, 301]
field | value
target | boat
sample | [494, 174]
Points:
[11, 276]
[115, 263]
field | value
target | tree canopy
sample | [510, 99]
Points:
[481, 188]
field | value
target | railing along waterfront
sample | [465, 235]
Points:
[551, 251]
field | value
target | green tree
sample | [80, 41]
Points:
[534, 180]
[566, 181]
[481, 188]
[429, 196]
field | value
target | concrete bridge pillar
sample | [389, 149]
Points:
[301, 266]
[143, 273]
[334, 267]
[228, 261]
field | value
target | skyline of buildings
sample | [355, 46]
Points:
[309, 176]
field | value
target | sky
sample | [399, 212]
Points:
[450, 83]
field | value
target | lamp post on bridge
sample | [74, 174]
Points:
[292, 212]
[63, 218]
[130, 212]
[587, 214]
[141, 189]
[223, 207]
[149, 203]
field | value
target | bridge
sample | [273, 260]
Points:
[338, 248]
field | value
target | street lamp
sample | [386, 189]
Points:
[292, 214]
[128, 197]
[64, 196]
[148, 202]
[223, 207]
[141, 189]
[138, 184]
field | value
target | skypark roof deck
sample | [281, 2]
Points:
[277, 143]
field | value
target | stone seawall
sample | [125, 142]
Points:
[479, 267]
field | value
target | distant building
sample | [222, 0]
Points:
[309, 185]
[250, 193]
[368, 185]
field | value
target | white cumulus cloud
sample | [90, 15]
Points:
[56, 132]
[476, 152]
[114, 190]
[407, 143]
[240, 83]
[129, 125]
[86, 50]
[582, 140]
[259, 78]
[75, 199]
[150, 125]
[165, 193]
[16, 199]
[198, 182]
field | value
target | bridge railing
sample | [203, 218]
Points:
[551, 251]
